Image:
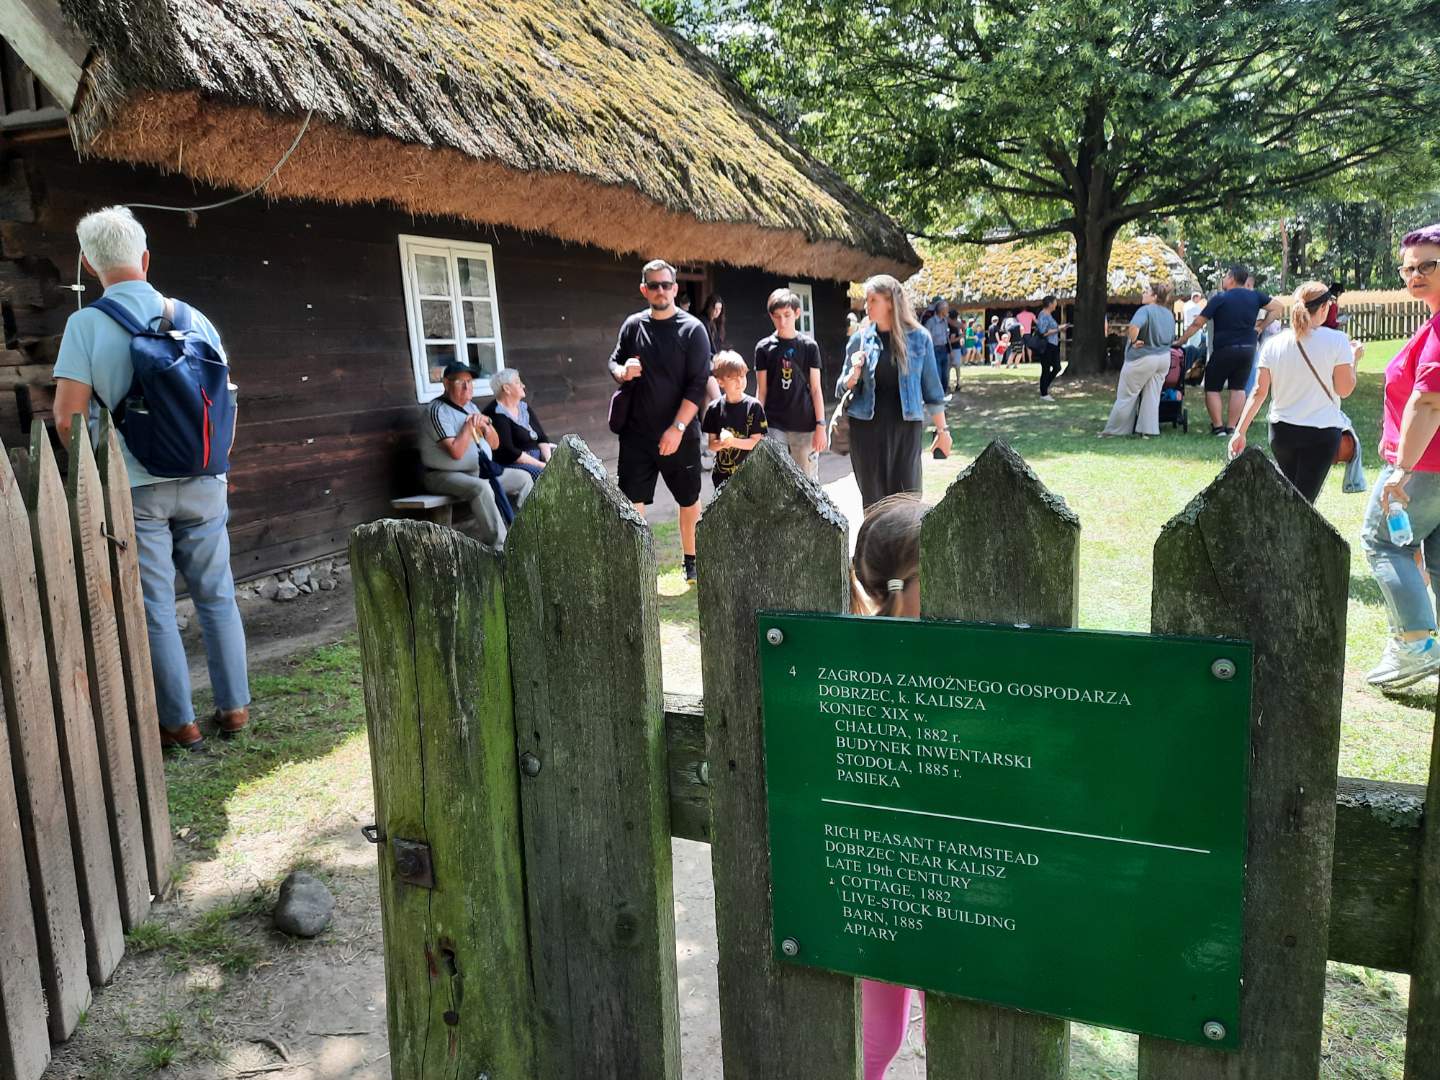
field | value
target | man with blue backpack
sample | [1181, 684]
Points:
[159, 367]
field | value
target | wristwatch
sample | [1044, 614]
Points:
[679, 426]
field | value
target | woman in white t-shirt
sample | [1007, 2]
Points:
[1310, 369]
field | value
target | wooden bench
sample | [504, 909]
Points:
[436, 508]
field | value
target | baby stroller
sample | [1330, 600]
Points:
[1172, 393]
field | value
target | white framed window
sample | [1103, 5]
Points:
[452, 309]
[806, 322]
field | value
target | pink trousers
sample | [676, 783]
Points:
[884, 1018]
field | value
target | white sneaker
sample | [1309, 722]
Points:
[1046, 397]
[1403, 663]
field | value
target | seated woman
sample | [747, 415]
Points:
[523, 442]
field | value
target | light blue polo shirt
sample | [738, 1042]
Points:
[96, 351]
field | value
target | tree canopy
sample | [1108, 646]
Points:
[996, 120]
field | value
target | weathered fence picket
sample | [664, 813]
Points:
[589, 721]
[1032, 577]
[1422, 1037]
[599, 770]
[73, 854]
[771, 540]
[24, 1038]
[1382, 322]
[74, 722]
[135, 658]
[34, 753]
[1247, 527]
[442, 737]
[91, 537]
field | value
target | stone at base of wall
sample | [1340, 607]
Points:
[322, 575]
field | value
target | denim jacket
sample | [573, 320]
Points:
[920, 392]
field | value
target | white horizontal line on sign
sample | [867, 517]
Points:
[1015, 825]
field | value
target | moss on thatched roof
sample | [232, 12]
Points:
[587, 120]
[1021, 273]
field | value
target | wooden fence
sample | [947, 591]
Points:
[86, 833]
[1382, 322]
[529, 776]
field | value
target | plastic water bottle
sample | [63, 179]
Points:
[1398, 522]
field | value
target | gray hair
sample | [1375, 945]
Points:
[111, 238]
[503, 377]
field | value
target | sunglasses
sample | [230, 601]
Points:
[1420, 269]
[659, 286]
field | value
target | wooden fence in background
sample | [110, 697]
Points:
[529, 776]
[84, 829]
[1382, 322]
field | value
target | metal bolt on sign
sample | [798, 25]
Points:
[1223, 669]
[1213, 1029]
[790, 947]
[529, 764]
[774, 635]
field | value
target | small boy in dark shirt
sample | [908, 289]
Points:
[735, 421]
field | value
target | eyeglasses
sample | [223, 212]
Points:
[659, 286]
[1420, 269]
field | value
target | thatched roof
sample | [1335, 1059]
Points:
[586, 120]
[1021, 273]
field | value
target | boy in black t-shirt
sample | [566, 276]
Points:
[735, 421]
[787, 379]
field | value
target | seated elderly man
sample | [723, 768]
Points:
[456, 442]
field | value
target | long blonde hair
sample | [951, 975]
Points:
[902, 316]
[1309, 300]
[887, 549]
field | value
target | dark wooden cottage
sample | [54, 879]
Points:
[482, 178]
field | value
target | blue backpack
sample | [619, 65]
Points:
[178, 417]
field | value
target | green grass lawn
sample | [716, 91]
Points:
[308, 730]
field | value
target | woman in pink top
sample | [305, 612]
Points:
[1411, 477]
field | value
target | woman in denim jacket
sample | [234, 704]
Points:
[895, 383]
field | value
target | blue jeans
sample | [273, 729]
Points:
[1395, 568]
[180, 525]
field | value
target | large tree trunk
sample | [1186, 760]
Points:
[1092, 290]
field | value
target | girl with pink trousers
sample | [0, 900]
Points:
[885, 580]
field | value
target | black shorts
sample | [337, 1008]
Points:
[641, 463]
[1229, 366]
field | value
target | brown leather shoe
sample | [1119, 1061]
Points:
[185, 738]
[231, 721]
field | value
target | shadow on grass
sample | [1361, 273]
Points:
[301, 710]
[1366, 591]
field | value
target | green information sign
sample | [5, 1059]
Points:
[1050, 820]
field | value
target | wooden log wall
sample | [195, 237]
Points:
[309, 300]
[76, 867]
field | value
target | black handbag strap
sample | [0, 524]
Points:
[1306, 357]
